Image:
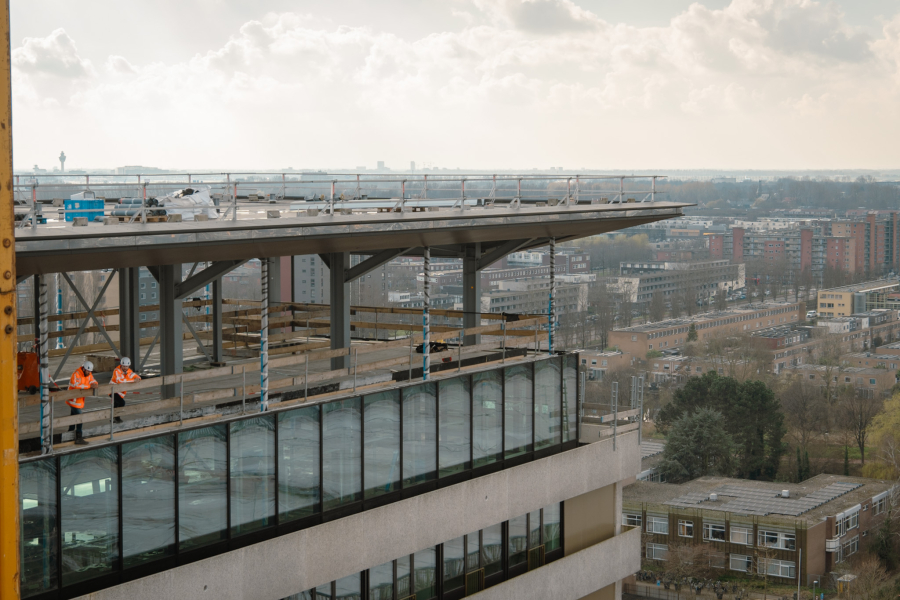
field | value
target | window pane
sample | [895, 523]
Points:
[492, 549]
[298, 466]
[487, 430]
[323, 592]
[425, 564]
[37, 490]
[534, 526]
[90, 514]
[348, 588]
[202, 486]
[547, 420]
[148, 500]
[381, 581]
[551, 527]
[382, 430]
[419, 431]
[473, 552]
[341, 481]
[454, 424]
[404, 568]
[518, 540]
[252, 474]
[570, 402]
[517, 404]
[454, 564]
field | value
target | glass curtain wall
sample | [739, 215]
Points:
[382, 443]
[419, 433]
[518, 397]
[37, 488]
[341, 453]
[298, 463]
[570, 398]
[547, 404]
[454, 444]
[148, 500]
[202, 487]
[252, 473]
[487, 417]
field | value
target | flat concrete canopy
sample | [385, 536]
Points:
[58, 248]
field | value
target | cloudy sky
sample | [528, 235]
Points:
[601, 84]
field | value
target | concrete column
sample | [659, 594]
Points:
[218, 354]
[340, 307]
[130, 314]
[472, 292]
[171, 346]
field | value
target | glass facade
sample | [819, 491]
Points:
[98, 513]
[467, 564]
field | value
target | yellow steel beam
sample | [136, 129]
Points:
[9, 407]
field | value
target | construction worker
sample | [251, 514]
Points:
[81, 379]
[122, 374]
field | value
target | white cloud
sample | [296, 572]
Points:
[538, 80]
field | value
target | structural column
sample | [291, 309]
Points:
[130, 313]
[171, 343]
[266, 270]
[43, 348]
[218, 354]
[339, 264]
[426, 319]
[472, 292]
[551, 309]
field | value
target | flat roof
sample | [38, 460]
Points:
[866, 286]
[709, 316]
[814, 499]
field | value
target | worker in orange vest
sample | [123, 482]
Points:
[122, 374]
[81, 379]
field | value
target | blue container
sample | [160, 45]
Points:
[84, 208]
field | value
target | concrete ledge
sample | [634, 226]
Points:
[576, 575]
[303, 560]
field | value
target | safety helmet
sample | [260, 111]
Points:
[125, 362]
[88, 366]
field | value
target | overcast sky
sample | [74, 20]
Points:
[600, 84]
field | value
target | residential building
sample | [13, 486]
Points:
[855, 298]
[794, 532]
[641, 280]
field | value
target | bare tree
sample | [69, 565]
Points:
[657, 307]
[830, 349]
[855, 411]
[602, 303]
[626, 305]
[804, 410]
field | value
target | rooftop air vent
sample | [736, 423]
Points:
[713, 497]
[785, 494]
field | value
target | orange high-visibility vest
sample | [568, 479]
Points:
[123, 375]
[80, 381]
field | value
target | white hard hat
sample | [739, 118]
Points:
[88, 366]
[125, 362]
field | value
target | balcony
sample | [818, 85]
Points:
[833, 545]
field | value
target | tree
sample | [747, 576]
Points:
[804, 408]
[884, 433]
[856, 409]
[602, 303]
[752, 416]
[697, 445]
[847, 461]
[657, 307]
[721, 300]
[692, 333]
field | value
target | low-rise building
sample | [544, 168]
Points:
[794, 532]
[868, 382]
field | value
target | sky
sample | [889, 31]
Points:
[482, 84]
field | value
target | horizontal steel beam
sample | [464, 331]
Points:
[373, 262]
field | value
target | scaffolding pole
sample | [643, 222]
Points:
[264, 339]
[551, 309]
[43, 357]
[426, 321]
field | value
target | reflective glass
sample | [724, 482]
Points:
[382, 435]
[381, 581]
[534, 529]
[298, 463]
[454, 564]
[404, 570]
[547, 418]
[148, 500]
[419, 434]
[252, 474]
[453, 426]
[425, 565]
[473, 552]
[307, 595]
[341, 453]
[518, 540]
[570, 395]
[552, 531]
[202, 486]
[518, 410]
[348, 588]
[37, 491]
[323, 592]
[90, 514]
[492, 549]
[487, 419]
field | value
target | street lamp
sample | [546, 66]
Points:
[815, 583]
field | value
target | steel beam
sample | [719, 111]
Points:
[205, 277]
[502, 250]
[373, 262]
[130, 313]
[171, 343]
[338, 264]
[472, 292]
